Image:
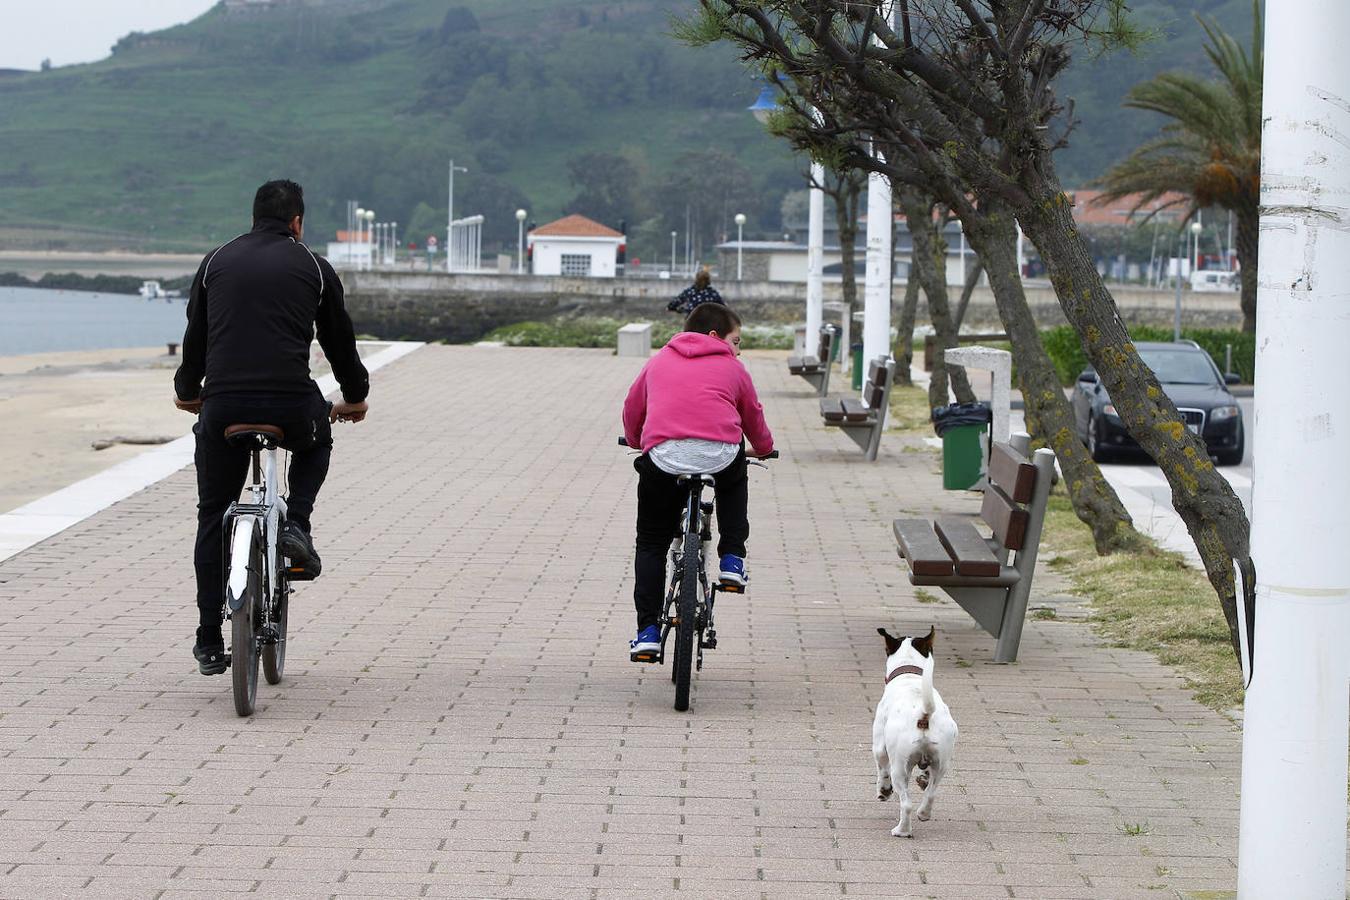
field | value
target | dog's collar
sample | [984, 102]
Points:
[903, 670]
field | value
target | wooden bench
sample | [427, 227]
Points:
[973, 569]
[864, 419]
[816, 369]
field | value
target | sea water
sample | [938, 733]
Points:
[36, 320]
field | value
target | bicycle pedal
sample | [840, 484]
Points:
[645, 657]
[709, 643]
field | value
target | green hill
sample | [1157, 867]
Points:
[161, 145]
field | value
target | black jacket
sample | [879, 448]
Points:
[256, 304]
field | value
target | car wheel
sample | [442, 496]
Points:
[1095, 446]
[1233, 457]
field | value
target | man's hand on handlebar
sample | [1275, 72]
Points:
[188, 406]
[348, 412]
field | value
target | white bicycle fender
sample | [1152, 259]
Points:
[241, 542]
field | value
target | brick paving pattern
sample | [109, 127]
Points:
[459, 718]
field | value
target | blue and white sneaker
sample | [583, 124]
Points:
[732, 570]
[646, 646]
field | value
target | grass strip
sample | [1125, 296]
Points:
[1149, 600]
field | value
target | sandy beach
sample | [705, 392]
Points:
[56, 405]
[35, 263]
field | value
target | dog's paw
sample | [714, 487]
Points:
[884, 793]
[924, 814]
[900, 831]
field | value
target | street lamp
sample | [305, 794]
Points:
[359, 227]
[370, 239]
[672, 253]
[521, 216]
[740, 241]
[765, 104]
[1196, 228]
[450, 219]
[393, 243]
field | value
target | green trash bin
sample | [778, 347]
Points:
[857, 350]
[961, 425]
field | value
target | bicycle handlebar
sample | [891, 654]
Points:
[773, 454]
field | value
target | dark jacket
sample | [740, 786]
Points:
[693, 296]
[256, 304]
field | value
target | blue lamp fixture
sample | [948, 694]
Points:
[765, 105]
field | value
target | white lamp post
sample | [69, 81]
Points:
[1291, 840]
[393, 243]
[740, 241]
[370, 238]
[763, 108]
[450, 219]
[1196, 228]
[521, 216]
[358, 228]
[672, 253]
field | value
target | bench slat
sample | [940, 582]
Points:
[855, 410]
[873, 393]
[1013, 472]
[967, 547]
[1007, 519]
[920, 547]
[831, 409]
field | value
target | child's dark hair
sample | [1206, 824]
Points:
[709, 317]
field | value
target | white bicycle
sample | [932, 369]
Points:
[257, 585]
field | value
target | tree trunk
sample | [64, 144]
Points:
[904, 335]
[1201, 496]
[992, 234]
[1248, 226]
[929, 261]
[967, 290]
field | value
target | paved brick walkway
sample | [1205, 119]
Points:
[459, 718]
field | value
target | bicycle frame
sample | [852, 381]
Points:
[697, 518]
[269, 509]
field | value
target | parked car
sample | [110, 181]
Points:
[1193, 382]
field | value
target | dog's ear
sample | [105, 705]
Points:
[925, 644]
[892, 643]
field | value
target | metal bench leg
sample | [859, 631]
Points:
[1014, 614]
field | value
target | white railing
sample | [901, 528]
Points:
[464, 252]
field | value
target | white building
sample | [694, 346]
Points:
[575, 246]
[352, 250]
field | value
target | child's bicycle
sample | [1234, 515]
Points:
[691, 600]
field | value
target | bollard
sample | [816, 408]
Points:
[635, 339]
[173, 349]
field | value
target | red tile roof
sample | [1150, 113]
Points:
[1088, 208]
[575, 226]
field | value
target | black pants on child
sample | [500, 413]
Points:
[222, 471]
[661, 500]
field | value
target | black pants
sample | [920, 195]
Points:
[222, 471]
[661, 500]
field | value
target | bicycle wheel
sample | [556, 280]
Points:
[274, 651]
[246, 621]
[688, 612]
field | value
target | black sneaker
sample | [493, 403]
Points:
[211, 659]
[296, 546]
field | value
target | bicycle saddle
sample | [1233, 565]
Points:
[244, 435]
[705, 478]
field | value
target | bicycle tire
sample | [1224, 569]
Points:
[244, 626]
[274, 654]
[688, 613]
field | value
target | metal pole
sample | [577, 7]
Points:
[1176, 321]
[740, 239]
[1292, 835]
[880, 226]
[815, 257]
[520, 246]
[450, 223]
[393, 243]
[672, 252]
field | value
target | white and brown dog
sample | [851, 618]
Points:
[913, 727]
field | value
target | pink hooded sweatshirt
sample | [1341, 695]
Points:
[695, 387]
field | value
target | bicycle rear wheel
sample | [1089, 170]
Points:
[246, 622]
[688, 613]
[274, 651]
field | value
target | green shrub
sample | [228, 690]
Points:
[601, 332]
[1066, 351]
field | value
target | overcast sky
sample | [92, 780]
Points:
[76, 31]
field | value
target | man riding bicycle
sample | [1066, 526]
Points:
[256, 303]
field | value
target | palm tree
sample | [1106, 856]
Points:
[1210, 150]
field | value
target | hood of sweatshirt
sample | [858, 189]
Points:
[691, 344]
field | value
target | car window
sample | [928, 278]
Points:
[1180, 366]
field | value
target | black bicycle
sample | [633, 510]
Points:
[691, 600]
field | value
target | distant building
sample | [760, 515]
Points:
[575, 246]
[1089, 209]
[350, 250]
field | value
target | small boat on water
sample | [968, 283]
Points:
[152, 290]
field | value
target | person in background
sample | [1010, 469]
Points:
[701, 291]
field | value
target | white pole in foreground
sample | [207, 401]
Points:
[877, 293]
[815, 259]
[1292, 839]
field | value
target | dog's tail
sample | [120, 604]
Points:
[927, 691]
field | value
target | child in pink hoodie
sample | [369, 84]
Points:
[689, 411]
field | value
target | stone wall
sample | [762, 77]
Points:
[458, 308]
